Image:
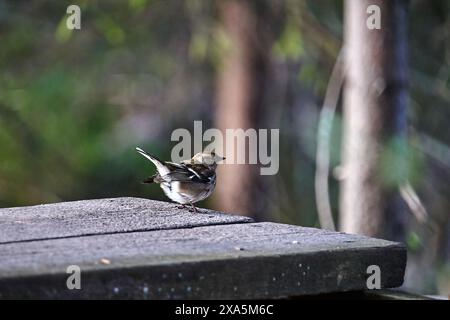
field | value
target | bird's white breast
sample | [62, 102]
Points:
[174, 192]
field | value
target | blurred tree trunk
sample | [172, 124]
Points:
[239, 83]
[375, 100]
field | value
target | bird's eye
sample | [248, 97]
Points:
[213, 154]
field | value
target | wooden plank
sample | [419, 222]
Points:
[251, 260]
[101, 216]
[388, 294]
[382, 294]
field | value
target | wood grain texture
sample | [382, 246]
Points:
[248, 260]
[101, 216]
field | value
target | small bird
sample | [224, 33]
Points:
[187, 182]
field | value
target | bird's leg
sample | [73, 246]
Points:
[183, 206]
[194, 209]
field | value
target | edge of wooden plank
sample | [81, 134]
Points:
[208, 280]
[236, 276]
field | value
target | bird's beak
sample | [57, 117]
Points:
[220, 159]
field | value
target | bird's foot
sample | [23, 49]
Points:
[193, 209]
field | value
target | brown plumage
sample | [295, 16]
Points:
[187, 182]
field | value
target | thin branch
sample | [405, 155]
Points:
[413, 201]
[323, 144]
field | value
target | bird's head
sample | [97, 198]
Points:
[207, 158]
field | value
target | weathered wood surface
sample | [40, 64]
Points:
[207, 255]
[101, 216]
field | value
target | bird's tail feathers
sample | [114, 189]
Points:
[160, 166]
[150, 179]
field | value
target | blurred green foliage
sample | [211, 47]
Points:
[74, 104]
[413, 241]
[70, 101]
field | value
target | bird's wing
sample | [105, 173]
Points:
[202, 173]
[173, 165]
[189, 173]
[184, 172]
